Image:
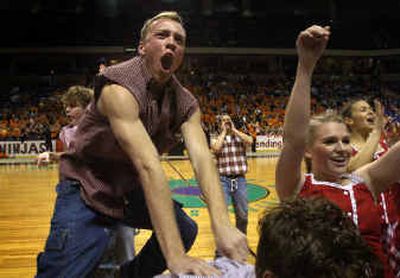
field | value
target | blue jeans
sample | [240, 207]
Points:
[79, 235]
[236, 190]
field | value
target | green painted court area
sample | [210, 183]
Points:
[188, 192]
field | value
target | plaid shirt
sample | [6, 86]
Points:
[96, 159]
[231, 158]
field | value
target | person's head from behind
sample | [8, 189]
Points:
[312, 238]
[328, 148]
[359, 116]
[75, 101]
[162, 44]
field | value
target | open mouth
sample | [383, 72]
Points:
[166, 61]
[371, 120]
[339, 161]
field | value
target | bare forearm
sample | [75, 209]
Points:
[385, 171]
[366, 153]
[208, 178]
[159, 203]
[295, 128]
[205, 170]
[298, 109]
[216, 147]
[121, 109]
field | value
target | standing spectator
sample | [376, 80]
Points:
[230, 150]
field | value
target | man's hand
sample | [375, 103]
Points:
[43, 159]
[232, 243]
[188, 265]
[311, 43]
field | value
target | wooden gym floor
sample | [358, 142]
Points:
[27, 195]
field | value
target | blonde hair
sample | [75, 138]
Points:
[77, 96]
[315, 122]
[172, 15]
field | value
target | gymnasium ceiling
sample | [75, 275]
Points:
[216, 23]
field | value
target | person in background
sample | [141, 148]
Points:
[230, 151]
[366, 131]
[75, 101]
[367, 139]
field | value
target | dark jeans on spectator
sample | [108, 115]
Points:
[79, 235]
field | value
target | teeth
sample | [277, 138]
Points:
[339, 159]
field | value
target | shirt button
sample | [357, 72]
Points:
[346, 193]
[349, 214]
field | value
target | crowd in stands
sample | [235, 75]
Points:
[256, 101]
[30, 116]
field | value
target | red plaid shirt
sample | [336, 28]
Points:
[231, 158]
[96, 159]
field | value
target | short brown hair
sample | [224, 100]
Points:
[77, 96]
[172, 15]
[312, 238]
